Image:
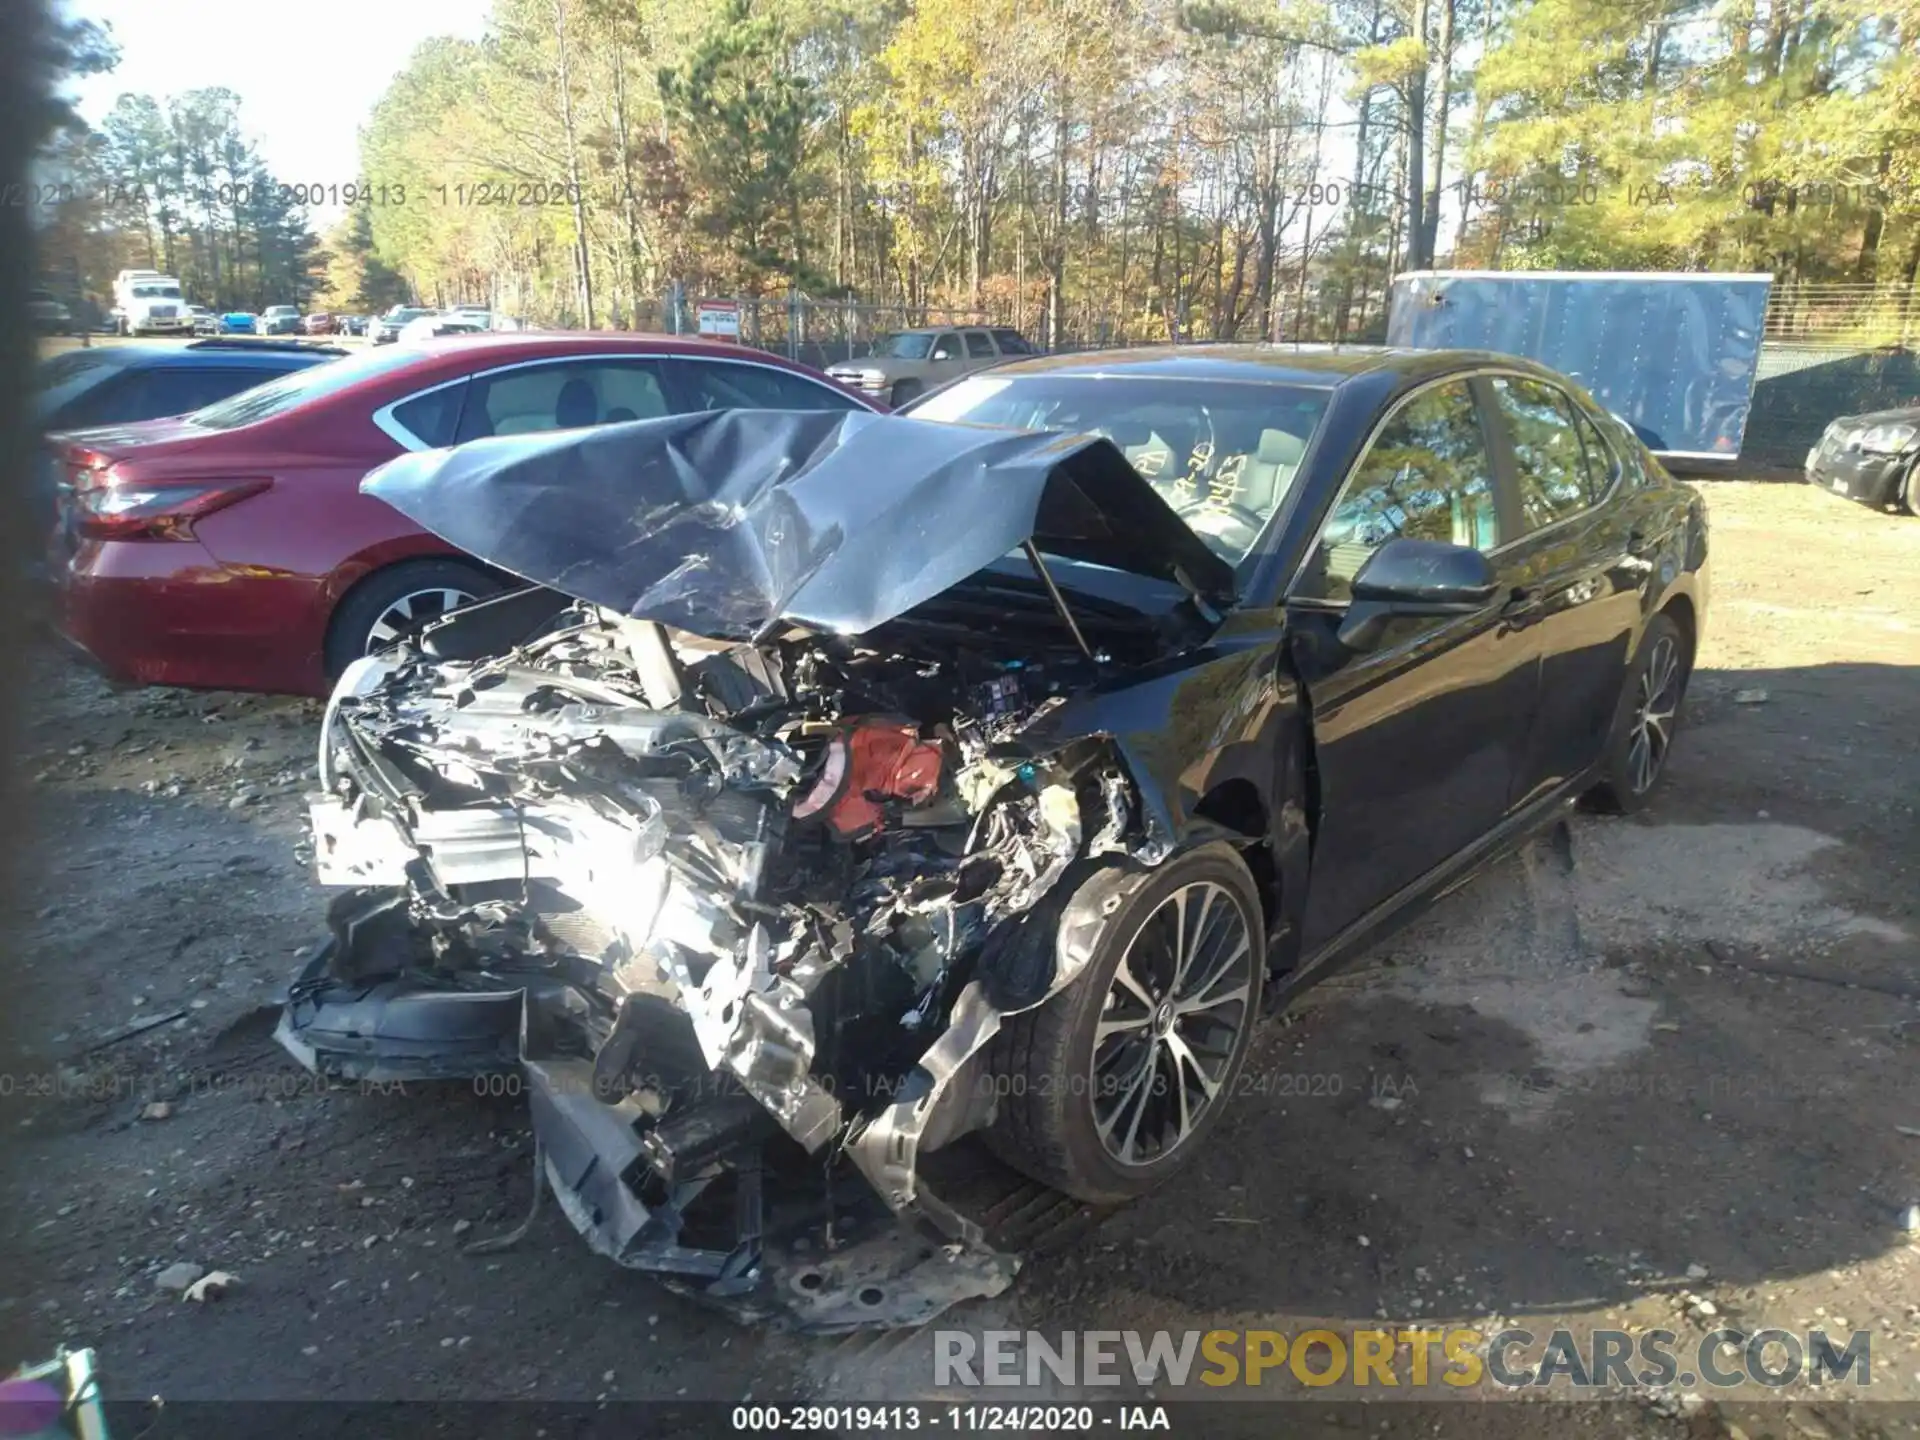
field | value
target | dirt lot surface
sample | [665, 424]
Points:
[1657, 1073]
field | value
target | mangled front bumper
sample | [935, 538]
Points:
[631, 1188]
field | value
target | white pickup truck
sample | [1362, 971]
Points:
[145, 302]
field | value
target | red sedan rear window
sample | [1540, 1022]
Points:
[302, 387]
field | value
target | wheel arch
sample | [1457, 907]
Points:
[1679, 608]
[351, 580]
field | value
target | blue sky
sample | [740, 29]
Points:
[306, 75]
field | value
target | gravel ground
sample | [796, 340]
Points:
[1656, 1073]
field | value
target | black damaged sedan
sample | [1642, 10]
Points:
[1872, 458]
[846, 785]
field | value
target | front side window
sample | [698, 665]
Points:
[1549, 459]
[1425, 477]
[565, 396]
[1223, 453]
[717, 385]
[947, 347]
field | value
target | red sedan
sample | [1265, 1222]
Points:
[319, 324]
[232, 548]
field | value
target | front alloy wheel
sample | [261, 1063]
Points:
[1171, 1024]
[1110, 1086]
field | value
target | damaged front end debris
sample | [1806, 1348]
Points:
[743, 908]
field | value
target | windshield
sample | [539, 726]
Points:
[1223, 453]
[301, 387]
[904, 347]
[156, 292]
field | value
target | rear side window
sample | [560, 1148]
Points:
[433, 418]
[1011, 343]
[1603, 466]
[717, 385]
[979, 346]
[1547, 450]
[569, 395]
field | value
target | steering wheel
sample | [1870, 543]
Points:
[1253, 520]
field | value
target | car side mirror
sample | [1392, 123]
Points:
[1415, 577]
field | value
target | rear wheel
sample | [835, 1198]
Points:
[1110, 1085]
[903, 391]
[1645, 724]
[1910, 489]
[393, 603]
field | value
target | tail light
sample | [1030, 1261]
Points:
[108, 509]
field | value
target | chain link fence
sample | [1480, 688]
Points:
[1827, 349]
[1854, 316]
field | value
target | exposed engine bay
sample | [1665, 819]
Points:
[745, 916]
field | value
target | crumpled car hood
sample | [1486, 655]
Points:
[732, 523]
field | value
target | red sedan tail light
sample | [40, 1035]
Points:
[104, 509]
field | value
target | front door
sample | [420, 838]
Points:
[947, 360]
[1416, 741]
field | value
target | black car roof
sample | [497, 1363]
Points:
[1316, 366]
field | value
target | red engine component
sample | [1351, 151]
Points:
[868, 763]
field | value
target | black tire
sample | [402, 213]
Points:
[350, 634]
[1043, 1062]
[1910, 489]
[903, 391]
[1625, 786]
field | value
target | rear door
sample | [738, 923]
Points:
[1578, 566]
[1416, 742]
[980, 351]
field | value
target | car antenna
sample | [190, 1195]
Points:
[1059, 601]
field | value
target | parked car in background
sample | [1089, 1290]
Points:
[205, 322]
[239, 322]
[1136, 691]
[430, 327]
[351, 324]
[385, 329]
[320, 323]
[279, 320]
[231, 548]
[48, 314]
[124, 384]
[915, 361]
[1873, 458]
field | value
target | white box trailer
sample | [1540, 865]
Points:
[1673, 354]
